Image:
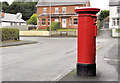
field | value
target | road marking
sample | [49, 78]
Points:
[107, 59]
[60, 76]
[99, 46]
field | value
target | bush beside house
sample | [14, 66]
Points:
[54, 26]
[9, 34]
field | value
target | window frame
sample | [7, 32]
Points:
[74, 21]
[43, 21]
[56, 8]
[44, 10]
[57, 19]
[63, 10]
[49, 21]
[118, 9]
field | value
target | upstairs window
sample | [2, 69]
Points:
[118, 9]
[56, 10]
[64, 10]
[44, 10]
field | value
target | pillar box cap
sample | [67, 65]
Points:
[87, 10]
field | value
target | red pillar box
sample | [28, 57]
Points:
[87, 31]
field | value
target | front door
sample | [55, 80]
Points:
[64, 23]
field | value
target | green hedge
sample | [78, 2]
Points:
[54, 26]
[9, 34]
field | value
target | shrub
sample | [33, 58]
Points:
[54, 26]
[9, 34]
[32, 20]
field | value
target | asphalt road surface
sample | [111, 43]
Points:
[51, 58]
[44, 61]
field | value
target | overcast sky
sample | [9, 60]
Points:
[102, 4]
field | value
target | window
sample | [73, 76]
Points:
[38, 21]
[75, 21]
[56, 10]
[11, 23]
[70, 21]
[116, 21]
[64, 10]
[48, 21]
[56, 19]
[43, 21]
[44, 10]
[77, 7]
[118, 9]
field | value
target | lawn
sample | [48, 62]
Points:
[118, 30]
[66, 29]
[57, 30]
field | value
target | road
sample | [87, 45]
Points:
[46, 60]
[51, 58]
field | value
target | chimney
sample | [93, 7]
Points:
[88, 3]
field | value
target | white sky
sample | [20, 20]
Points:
[102, 4]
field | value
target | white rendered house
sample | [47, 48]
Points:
[114, 18]
[114, 7]
[7, 19]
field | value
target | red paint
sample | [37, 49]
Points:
[87, 30]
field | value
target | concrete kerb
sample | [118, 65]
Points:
[72, 68]
[17, 43]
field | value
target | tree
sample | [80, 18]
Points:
[26, 8]
[103, 15]
[33, 19]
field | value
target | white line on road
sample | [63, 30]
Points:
[63, 74]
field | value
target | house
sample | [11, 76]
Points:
[114, 18]
[49, 11]
[114, 6]
[10, 19]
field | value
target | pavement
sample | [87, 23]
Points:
[53, 59]
[107, 62]
[16, 43]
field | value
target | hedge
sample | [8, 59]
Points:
[9, 34]
[54, 26]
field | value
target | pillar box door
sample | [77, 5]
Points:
[86, 51]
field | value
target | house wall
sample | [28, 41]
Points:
[69, 9]
[113, 14]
